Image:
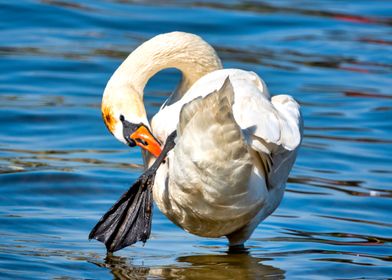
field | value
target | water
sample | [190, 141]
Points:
[61, 169]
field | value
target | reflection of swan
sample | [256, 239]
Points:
[234, 147]
[231, 266]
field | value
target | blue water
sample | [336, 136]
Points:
[60, 169]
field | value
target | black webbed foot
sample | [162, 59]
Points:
[129, 219]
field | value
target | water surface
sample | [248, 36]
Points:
[60, 169]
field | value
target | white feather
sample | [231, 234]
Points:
[235, 147]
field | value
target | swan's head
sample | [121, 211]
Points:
[124, 115]
[122, 105]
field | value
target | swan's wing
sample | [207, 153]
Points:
[276, 120]
[274, 132]
[272, 126]
[211, 162]
[209, 136]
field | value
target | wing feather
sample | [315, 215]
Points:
[211, 161]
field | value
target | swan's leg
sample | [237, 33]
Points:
[237, 249]
[238, 238]
[169, 144]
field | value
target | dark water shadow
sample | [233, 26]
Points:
[225, 266]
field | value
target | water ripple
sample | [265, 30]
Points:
[60, 169]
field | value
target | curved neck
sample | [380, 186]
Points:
[186, 52]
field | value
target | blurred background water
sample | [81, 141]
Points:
[60, 169]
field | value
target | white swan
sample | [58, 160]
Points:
[235, 144]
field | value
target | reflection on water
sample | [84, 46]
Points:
[234, 266]
[121, 268]
[229, 266]
[60, 169]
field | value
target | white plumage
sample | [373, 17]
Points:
[235, 144]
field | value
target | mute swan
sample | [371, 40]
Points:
[234, 144]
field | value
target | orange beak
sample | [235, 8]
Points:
[144, 139]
